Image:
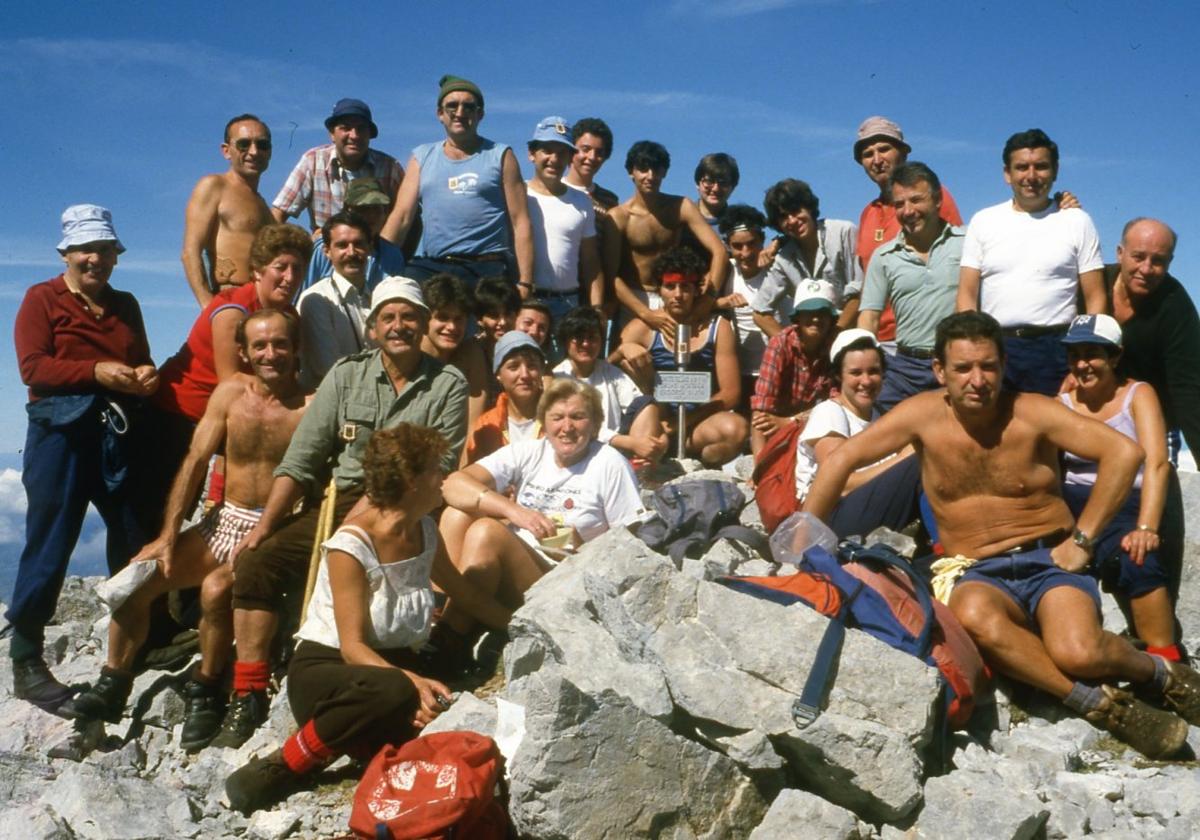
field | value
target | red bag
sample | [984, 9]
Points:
[438, 786]
[775, 476]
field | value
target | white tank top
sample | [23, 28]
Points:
[1080, 471]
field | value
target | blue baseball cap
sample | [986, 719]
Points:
[1094, 329]
[509, 343]
[553, 130]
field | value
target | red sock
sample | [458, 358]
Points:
[250, 676]
[305, 750]
[1170, 652]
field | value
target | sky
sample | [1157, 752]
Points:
[122, 104]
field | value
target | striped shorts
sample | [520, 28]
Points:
[223, 527]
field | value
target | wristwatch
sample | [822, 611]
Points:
[1083, 541]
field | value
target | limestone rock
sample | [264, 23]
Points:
[794, 808]
[468, 714]
[596, 766]
[96, 805]
[33, 822]
[969, 803]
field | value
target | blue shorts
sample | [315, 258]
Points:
[1027, 576]
[1112, 565]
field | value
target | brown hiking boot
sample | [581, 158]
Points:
[261, 783]
[1182, 693]
[1153, 732]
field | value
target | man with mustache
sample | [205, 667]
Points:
[375, 389]
[333, 311]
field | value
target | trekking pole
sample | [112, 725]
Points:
[683, 355]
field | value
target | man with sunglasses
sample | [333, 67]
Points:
[226, 211]
[319, 181]
[472, 199]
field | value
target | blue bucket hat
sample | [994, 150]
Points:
[509, 343]
[84, 223]
[351, 108]
[553, 130]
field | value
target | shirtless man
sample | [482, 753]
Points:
[225, 211]
[989, 464]
[255, 417]
[650, 224]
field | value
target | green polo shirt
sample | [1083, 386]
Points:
[354, 399]
[922, 294]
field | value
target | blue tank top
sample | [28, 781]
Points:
[702, 359]
[463, 208]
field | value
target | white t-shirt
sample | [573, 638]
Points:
[1029, 263]
[751, 341]
[593, 495]
[827, 418]
[522, 429]
[401, 600]
[617, 392]
[560, 223]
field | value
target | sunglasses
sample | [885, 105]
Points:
[460, 107]
[243, 144]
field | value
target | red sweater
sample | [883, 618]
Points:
[59, 340]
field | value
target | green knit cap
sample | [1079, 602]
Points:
[449, 84]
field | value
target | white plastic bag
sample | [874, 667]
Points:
[116, 590]
[798, 533]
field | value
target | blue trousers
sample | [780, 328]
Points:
[62, 474]
[1037, 365]
[422, 268]
[905, 376]
[889, 499]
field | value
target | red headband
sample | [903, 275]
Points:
[671, 277]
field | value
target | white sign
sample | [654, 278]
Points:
[683, 386]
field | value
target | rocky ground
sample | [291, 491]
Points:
[638, 700]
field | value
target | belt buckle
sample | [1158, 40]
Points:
[803, 714]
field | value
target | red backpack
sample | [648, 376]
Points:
[775, 476]
[438, 786]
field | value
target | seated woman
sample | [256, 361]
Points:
[570, 488]
[715, 433]
[450, 309]
[884, 493]
[519, 367]
[352, 683]
[1129, 553]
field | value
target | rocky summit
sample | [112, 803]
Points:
[639, 699]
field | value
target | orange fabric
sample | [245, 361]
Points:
[490, 431]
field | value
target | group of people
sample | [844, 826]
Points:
[447, 321]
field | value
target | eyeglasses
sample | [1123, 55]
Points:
[243, 144]
[462, 107]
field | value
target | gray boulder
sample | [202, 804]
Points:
[793, 808]
[96, 805]
[972, 803]
[468, 714]
[596, 766]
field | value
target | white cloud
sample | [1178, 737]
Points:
[12, 493]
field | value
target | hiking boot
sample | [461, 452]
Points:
[104, 700]
[260, 783]
[1182, 693]
[245, 714]
[33, 682]
[204, 710]
[1153, 732]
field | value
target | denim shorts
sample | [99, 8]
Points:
[1027, 576]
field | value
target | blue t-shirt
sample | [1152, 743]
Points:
[463, 207]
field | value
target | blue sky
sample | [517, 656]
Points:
[122, 104]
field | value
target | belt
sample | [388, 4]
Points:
[472, 258]
[1033, 330]
[1049, 541]
[914, 352]
[550, 293]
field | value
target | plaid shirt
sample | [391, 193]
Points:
[319, 182]
[788, 381]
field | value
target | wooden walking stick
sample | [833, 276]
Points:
[324, 531]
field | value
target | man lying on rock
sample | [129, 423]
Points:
[255, 417]
[989, 464]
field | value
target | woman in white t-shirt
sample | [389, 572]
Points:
[353, 683]
[510, 514]
[884, 493]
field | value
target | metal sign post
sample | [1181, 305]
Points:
[684, 387]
